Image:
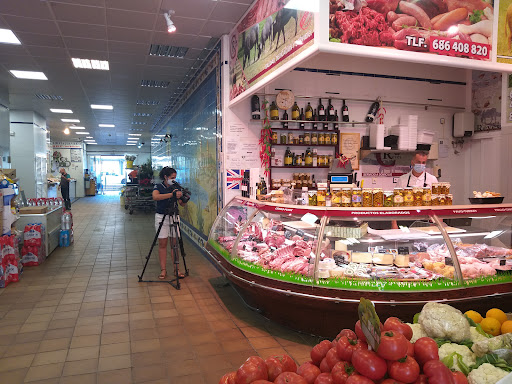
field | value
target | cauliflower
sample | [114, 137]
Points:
[449, 355]
[486, 374]
[484, 346]
[441, 320]
[476, 336]
[417, 332]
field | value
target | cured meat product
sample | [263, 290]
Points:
[470, 5]
[382, 6]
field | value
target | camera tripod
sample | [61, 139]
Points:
[175, 236]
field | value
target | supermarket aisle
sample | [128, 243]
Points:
[82, 317]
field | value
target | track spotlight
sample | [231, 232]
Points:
[170, 25]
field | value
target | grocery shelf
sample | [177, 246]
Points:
[311, 121]
[304, 145]
[301, 166]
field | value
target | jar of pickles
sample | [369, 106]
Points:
[435, 199]
[367, 197]
[357, 197]
[334, 138]
[388, 198]
[442, 199]
[321, 139]
[449, 199]
[346, 197]
[321, 194]
[290, 138]
[408, 197]
[283, 138]
[320, 161]
[427, 196]
[418, 196]
[312, 199]
[314, 139]
[445, 188]
[301, 139]
[327, 139]
[378, 197]
[274, 137]
[436, 188]
[398, 197]
[336, 197]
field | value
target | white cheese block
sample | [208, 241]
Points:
[383, 258]
[323, 273]
[361, 257]
[402, 260]
[337, 272]
[340, 245]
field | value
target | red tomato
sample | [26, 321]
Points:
[393, 345]
[410, 349]
[274, 368]
[395, 324]
[228, 378]
[319, 351]
[289, 378]
[324, 367]
[459, 378]
[251, 371]
[358, 379]
[324, 378]
[344, 332]
[341, 372]
[425, 349]
[309, 371]
[406, 371]
[390, 381]
[332, 358]
[422, 379]
[359, 331]
[346, 347]
[261, 382]
[369, 364]
[288, 363]
[437, 372]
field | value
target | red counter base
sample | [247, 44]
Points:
[324, 311]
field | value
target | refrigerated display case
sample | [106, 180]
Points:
[307, 267]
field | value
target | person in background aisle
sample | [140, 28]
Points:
[134, 175]
[64, 187]
[167, 196]
[417, 177]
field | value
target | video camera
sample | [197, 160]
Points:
[186, 192]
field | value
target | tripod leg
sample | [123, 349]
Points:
[182, 251]
[175, 254]
[152, 246]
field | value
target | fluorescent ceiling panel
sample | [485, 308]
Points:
[82, 133]
[8, 37]
[70, 120]
[134, 134]
[76, 127]
[101, 106]
[106, 125]
[31, 75]
[101, 65]
[56, 110]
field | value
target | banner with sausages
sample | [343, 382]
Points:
[270, 35]
[457, 28]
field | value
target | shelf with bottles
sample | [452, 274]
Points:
[366, 152]
[310, 121]
[304, 145]
[299, 166]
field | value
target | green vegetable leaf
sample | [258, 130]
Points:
[492, 359]
[415, 318]
[440, 341]
[467, 343]
[481, 331]
[476, 16]
[334, 40]
[470, 321]
[449, 360]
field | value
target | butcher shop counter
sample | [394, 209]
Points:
[307, 267]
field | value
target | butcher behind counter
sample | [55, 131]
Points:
[410, 25]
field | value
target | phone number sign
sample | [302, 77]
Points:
[455, 47]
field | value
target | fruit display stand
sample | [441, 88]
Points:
[51, 221]
[286, 262]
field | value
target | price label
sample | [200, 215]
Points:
[288, 235]
[300, 233]
[503, 262]
[454, 47]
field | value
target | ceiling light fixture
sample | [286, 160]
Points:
[56, 110]
[66, 131]
[70, 120]
[31, 75]
[92, 143]
[106, 125]
[101, 65]
[101, 106]
[76, 127]
[134, 134]
[8, 37]
[89, 137]
[171, 28]
[82, 133]
[131, 144]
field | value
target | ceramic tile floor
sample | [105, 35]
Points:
[82, 317]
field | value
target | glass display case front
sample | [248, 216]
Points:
[357, 249]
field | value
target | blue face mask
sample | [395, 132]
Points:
[419, 168]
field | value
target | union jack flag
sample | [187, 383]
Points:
[234, 178]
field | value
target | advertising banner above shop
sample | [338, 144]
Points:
[464, 32]
[271, 34]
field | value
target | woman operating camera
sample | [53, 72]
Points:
[167, 196]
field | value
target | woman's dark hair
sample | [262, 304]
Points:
[166, 172]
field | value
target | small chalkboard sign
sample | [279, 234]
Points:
[274, 228]
[288, 234]
[448, 261]
[300, 233]
[403, 250]
[503, 262]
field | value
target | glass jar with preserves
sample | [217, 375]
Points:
[290, 138]
[321, 194]
[378, 197]
[327, 137]
[283, 138]
[398, 197]
[445, 188]
[321, 139]
[314, 139]
[274, 137]
[334, 138]
[298, 184]
[408, 197]
[295, 139]
[307, 138]
[449, 199]
[367, 197]
[346, 197]
[435, 199]
[427, 196]
[320, 160]
[388, 198]
[442, 199]
[301, 139]
[336, 197]
[312, 198]
[435, 188]
[357, 197]
[418, 196]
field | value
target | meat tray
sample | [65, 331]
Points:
[486, 200]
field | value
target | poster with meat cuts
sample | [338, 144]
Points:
[457, 28]
[269, 36]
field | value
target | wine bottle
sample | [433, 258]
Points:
[313, 182]
[294, 159]
[295, 112]
[274, 111]
[336, 119]
[263, 186]
[301, 118]
[321, 111]
[372, 112]
[315, 120]
[287, 157]
[330, 111]
[285, 120]
[309, 112]
[255, 107]
[344, 112]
